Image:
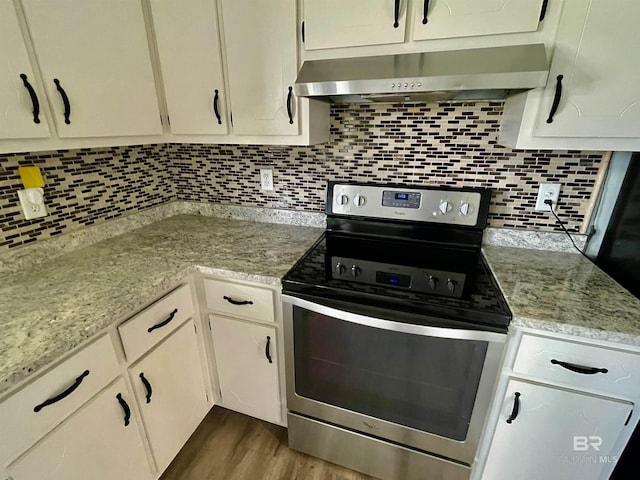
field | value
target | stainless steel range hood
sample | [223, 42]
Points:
[473, 74]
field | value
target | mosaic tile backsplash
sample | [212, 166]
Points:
[449, 144]
[82, 187]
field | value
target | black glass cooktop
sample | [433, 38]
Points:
[415, 277]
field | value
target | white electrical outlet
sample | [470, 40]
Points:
[266, 179]
[32, 202]
[547, 191]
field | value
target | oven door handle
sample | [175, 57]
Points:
[410, 328]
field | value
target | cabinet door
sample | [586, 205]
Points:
[98, 52]
[336, 23]
[557, 434]
[189, 50]
[260, 43]
[462, 18]
[173, 401]
[596, 53]
[248, 380]
[18, 119]
[93, 443]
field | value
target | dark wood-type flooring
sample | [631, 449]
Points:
[231, 446]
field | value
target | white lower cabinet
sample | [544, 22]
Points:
[247, 361]
[170, 389]
[95, 442]
[549, 433]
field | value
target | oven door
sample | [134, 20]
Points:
[427, 387]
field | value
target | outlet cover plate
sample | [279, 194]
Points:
[32, 203]
[547, 191]
[266, 179]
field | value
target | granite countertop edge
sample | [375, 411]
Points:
[154, 289]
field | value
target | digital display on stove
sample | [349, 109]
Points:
[400, 199]
[393, 279]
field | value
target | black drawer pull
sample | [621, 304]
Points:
[215, 107]
[164, 322]
[147, 387]
[396, 14]
[34, 98]
[65, 100]
[62, 395]
[579, 368]
[237, 302]
[289, 106]
[267, 350]
[516, 407]
[125, 409]
[425, 12]
[556, 99]
[543, 10]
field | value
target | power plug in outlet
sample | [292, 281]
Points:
[547, 191]
[32, 202]
[266, 179]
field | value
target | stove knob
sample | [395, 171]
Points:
[359, 200]
[433, 282]
[451, 285]
[465, 208]
[444, 207]
[342, 200]
[355, 271]
[340, 269]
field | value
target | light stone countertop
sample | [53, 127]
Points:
[564, 293]
[48, 309]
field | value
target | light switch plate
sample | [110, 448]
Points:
[32, 202]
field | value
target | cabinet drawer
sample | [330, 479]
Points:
[146, 329]
[244, 301]
[21, 426]
[554, 359]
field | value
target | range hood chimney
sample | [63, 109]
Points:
[457, 75]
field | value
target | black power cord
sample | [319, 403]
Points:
[564, 229]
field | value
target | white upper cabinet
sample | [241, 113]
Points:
[20, 98]
[336, 23]
[96, 68]
[597, 56]
[260, 43]
[592, 99]
[188, 43]
[463, 18]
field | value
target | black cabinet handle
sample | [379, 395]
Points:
[34, 98]
[237, 302]
[396, 14]
[164, 322]
[215, 107]
[302, 32]
[289, 112]
[543, 10]
[579, 368]
[425, 12]
[516, 407]
[147, 387]
[125, 409]
[267, 350]
[65, 100]
[66, 393]
[556, 98]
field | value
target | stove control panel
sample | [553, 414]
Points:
[430, 205]
[424, 280]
